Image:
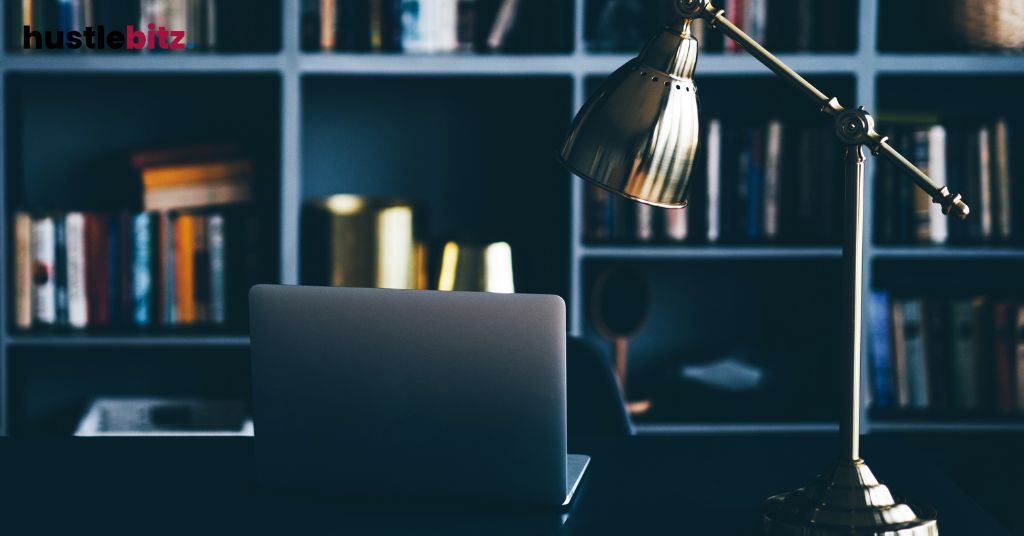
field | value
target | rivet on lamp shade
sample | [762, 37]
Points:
[637, 135]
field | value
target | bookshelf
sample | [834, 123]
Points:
[301, 103]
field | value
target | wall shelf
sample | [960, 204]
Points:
[708, 252]
[303, 104]
[79, 340]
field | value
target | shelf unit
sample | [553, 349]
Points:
[294, 68]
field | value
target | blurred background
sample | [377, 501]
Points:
[144, 192]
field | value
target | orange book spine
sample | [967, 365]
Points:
[210, 172]
[184, 269]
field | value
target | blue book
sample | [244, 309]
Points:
[879, 350]
[142, 276]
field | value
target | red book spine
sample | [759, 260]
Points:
[125, 262]
[1002, 337]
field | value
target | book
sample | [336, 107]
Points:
[77, 293]
[468, 19]
[200, 269]
[772, 179]
[113, 273]
[676, 225]
[936, 328]
[901, 380]
[183, 197]
[503, 24]
[416, 36]
[328, 24]
[981, 311]
[177, 175]
[168, 280]
[184, 274]
[44, 297]
[1002, 352]
[938, 226]
[60, 268]
[915, 348]
[185, 154]
[922, 203]
[218, 270]
[1018, 349]
[714, 179]
[23, 284]
[97, 259]
[985, 203]
[964, 368]
[881, 359]
[644, 222]
[142, 269]
[1001, 180]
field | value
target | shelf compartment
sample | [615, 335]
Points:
[483, 172]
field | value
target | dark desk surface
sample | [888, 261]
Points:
[647, 485]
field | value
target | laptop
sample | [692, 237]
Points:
[453, 396]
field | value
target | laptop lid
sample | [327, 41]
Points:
[379, 392]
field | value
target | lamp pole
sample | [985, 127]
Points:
[846, 498]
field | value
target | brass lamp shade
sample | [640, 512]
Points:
[637, 135]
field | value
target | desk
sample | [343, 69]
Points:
[700, 485]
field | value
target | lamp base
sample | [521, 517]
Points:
[848, 500]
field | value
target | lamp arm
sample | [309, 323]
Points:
[853, 126]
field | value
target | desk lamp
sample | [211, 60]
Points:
[637, 136]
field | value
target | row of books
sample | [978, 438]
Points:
[772, 182]
[437, 26]
[208, 24]
[961, 355]
[973, 160]
[84, 270]
[781, 25]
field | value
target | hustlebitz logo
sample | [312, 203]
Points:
[152, 38]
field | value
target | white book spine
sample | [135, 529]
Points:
[78, 306]
[23, 270]
[43, 257]
[772, 179]
[985, 182]
[938, 224]
[714, 178]
[448, 25]
[414, 38]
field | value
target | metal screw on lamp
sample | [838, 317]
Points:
[637, 136]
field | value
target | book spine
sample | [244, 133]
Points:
[644, 222]
[96, 268]
[218, 271]
[167, 272]
[922, 203]
[184, 273]
[965, 370]
[882, 374]
[772, 179]
[938, 226]
[328, 22]
[414, 35]
[899, 354]
[43, 258]
[125, 259]
[1001, 179]
[598, 214]
[1018, 346]
[916, 348]
[23, 270]
[714, 180]
[142, 278]
[78, 307]
[200, 270]
[985, 203]
[467, 24]
[61, 269]
[936, 329]
[676, 225]
[113, 297]
[1002, 338]
[755, 181]
[503, 23]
